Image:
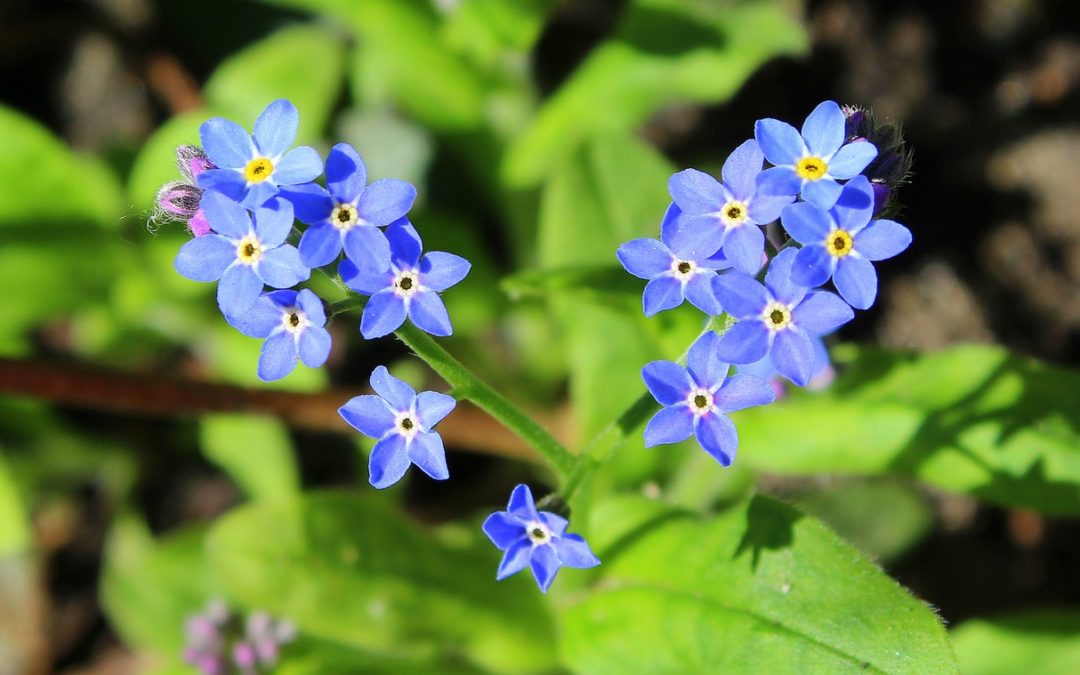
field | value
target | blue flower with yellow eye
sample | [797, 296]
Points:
[251, 168]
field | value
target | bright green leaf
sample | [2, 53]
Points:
[14, 524]
[1047, 643]
[255, 451]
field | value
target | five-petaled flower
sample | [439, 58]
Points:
[242, 252]
[777, 319]
[292, 325]
[810, 163]
[537, 539]
[251, 168]
[725, 216]
[349, 214]
[410, 288]
[697, 398]
[841, 243]
[402, 421]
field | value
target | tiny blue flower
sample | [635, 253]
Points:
[697, 398]
[536, 539]
[251, 168]
[725, 216]
[293, 326]
[673, 275]
[822, 372]
[410, 288]
[402, 420]
[810, 163]
[841, 243]
[349, 214]
[777, 319]
[242, 253]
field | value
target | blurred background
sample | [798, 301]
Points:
[540, 134]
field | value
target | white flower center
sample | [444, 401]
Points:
[538, 532]
[344, 216]
[700, 401]
[406, 424]
[734, 213]
[683, 269]
[406, 283]
[776, 316]
[294, 320]
[249, 250]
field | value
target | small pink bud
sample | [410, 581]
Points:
[198, 224]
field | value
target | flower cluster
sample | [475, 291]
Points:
[219, 642]
[824, 186]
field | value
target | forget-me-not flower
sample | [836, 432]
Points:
[777, 319]
[251, 168]
[535, 539]
[725, 216]
[349, 213]
[673, 274]
[293, 326]
[402, 420]
[697, 398]
[840, 244]
[810, 163]
[242, 252]
[410, 288]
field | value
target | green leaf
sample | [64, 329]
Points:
[1047, 643]
[663, 52]
[971, 419]
[14, 524]
[600, 283]
[756, 589]
[350, 570]
[256, 451]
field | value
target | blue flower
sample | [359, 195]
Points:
[241, 253]
[673, 274]
[292, 325]
[725, 216]
[777, 319]
[251, 168]
[810, 163]
[822, 372]
[840, 244]
[402, 420]
[349, 214]
[697, 398]
[536, 539]
[410, 288]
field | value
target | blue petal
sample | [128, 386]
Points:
[205, 258]
[254, 196]
[312, 306]
[661, 293]
[260, 320]
[882, 239]
[764, 209]
[370, 415]
[644, 258]
[281, 267]
[779, 181]
[544, 565]
[743, 391]
[228, 182]
[299, 165]
[503, 529]
[780, 142]
[428, 313]
[521, 503]
[705, 367]
[699, 291]
[273, 222]
[793, 355]
[238, 289]
[573, 551]
[367, 284]
[813, 266]
[695, 237]
[311, 202]
[439, 271]
[778, 278]
[717, 436]
[278, 357]
[741, 169]
[557, 524]
[314, 346]
[741, 296]
[516, 558]
[852, 159]
[667, 381]
[366, 246]
[696, 192]
[744, 247]
[426, 451]
[670, 425]
[275, 129]
[225, 216]
[320, 245]
[432, 407]
[386, 200]
[383, 314]
[396, 392]
[745, 342]
[855, 206]
[823, 129]
[856, 280]
[806, 223]
[822, 193]
[388, 462]
[821, 313]
[346, 174]
[405, 245]
[226, 143]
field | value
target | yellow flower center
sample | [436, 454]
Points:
[344, 216]
[733, 213]
[249, 251]
[777, 316]
[811, 168]
[839, 243]
[258, 170]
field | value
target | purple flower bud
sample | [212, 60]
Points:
[890, 168]
[179, 200]
[198, 224]
[192, 161]
[244, 655]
